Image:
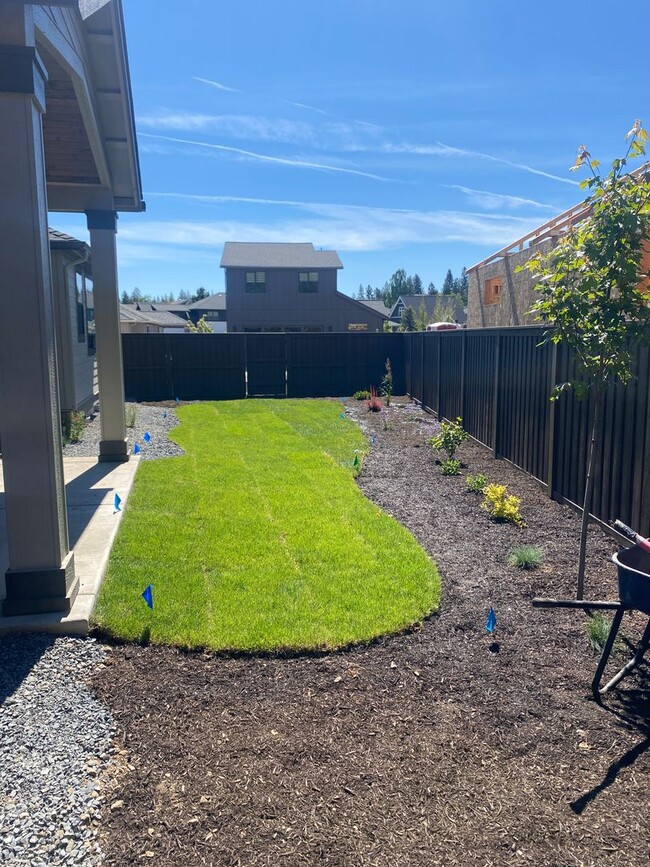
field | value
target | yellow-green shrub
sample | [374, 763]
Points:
[501, 505]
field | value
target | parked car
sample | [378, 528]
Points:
[443, 326]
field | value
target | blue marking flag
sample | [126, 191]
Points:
[147, 595]
[372, 441]
[342, 415]
[491, 621]
[117, 502]
[165, 414]
[343, 399]
[177, 400]
[146, 437]
[136, 449]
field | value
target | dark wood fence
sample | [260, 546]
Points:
[232, 366]
[499, 380]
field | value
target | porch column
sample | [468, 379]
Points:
[41, 570]
[108, 341]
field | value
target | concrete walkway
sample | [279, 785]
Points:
[92, 526]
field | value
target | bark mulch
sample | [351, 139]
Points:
[427, 748]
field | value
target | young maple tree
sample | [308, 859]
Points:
[593, 288]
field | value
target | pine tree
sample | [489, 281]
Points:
[417, 285]
[408, 319]
[449, 285]
[431, 289]
[126, 298]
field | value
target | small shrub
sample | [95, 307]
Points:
[374, 403]
[387, 383]
[525, 557]
[450, 437]
[598, 627]
[476, 483]
[72, 427]
[361, 395]
[129, 415]
[450, 467]
[500, 505]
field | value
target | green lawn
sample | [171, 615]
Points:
[259, 539]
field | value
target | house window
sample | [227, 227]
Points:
[493, 289]
[256, 281]
[85, 311]
[308, 281]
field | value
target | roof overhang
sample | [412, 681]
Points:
[88, 126]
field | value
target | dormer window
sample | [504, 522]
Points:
[308, 281]
[493, 290]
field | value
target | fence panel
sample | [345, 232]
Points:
[147, 367]
[523, 400]
[479, 388]
[205, 368]
[417, 373]
[450, 401]
[316, 365]
[266, 365]
[430, 370]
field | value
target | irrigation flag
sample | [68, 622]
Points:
[147, 595]
[117, 502]
[491, 621]
[136, 449]
[146, 437]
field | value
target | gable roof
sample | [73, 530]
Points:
[243, 254]
[162, 318]
[217, 301]
[377, 306]
[432, 304]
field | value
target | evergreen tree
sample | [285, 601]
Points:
[421, 318]
[417, 285]
[431, 289]
[200, 294]
[125, 298]
[461, 286]
[449, 285]
[408, 319]
[395, 287]
[184, 295]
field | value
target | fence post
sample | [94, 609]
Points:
[550, 425]
[438, 376]
[169, 364]
[463, 365]
[495, 397]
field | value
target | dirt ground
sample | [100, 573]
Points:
[429, 748]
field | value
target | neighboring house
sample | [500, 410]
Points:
[134, 320]
[290, 288]
[74, 318]
[498, 293]
[377, 306]
[213, 308]
[438, 308]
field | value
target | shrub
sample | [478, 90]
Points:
[361, 395]
[476, 483]
[387, 383]
[374, 403]
[598, 627]
[72, 426]
[450, 437]
[500, 505]
[450, 467]
[525, 557]
[129, 415]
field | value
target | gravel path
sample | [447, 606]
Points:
[157, 421]
[55, 737]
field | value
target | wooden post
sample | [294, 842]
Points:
[495, 397]
[550, 424]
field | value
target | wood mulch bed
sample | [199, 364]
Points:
[422, 749]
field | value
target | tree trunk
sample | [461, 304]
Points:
[589, 486]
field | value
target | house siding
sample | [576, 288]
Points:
[282, 306]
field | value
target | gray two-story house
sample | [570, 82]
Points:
[291, 288]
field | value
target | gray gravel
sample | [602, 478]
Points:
[157, 421]
[55, 739]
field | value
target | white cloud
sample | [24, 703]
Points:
[215, 84]
[496, 201]
[304, 164]
[341, 227]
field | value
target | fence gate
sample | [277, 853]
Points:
[266, 365]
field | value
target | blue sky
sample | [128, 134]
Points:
[418, 134]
